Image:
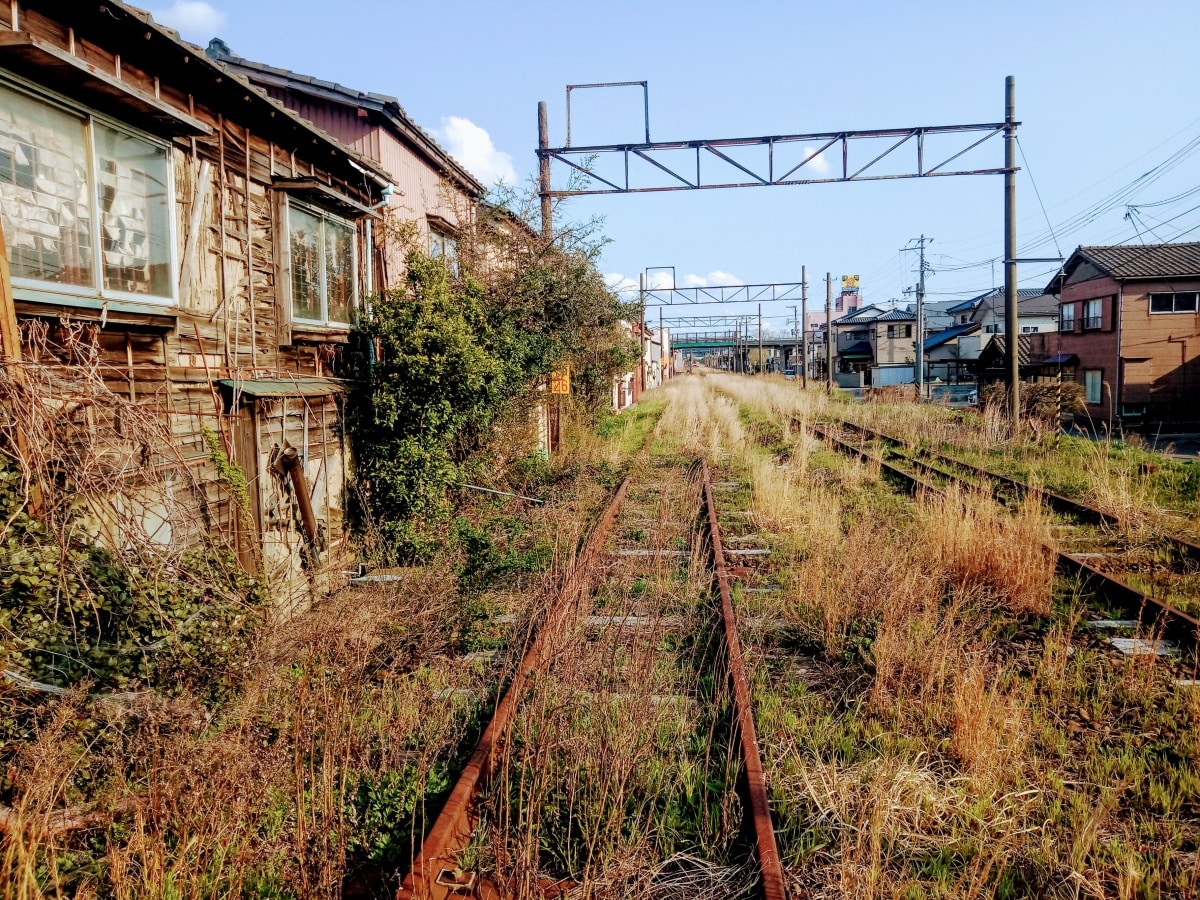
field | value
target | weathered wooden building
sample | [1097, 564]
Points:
[1129, 325]
[211, 245]
[433, 192]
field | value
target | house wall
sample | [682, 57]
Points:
[1157, 369]
[420, 189]
[230, 321]
[1096, 348]
[890, 351]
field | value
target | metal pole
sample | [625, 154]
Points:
[642, 325]
[1011, 329]
[761, 367]
[920, 345]
[829, 332]
[662, 349]
[544, 171]
[804, 326]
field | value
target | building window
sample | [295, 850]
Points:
[443, 245]
[1029, 329]
[324, 265]
[1174, 302]
[1092, 382]
[87, 206]
[1093, 313]
[1066, 317]
[899, 331]
[994, 328]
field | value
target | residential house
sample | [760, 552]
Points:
[874, 337]
[203, 249]
[949, 353]
[1131, 316]
[433, 192]
[1037, 312]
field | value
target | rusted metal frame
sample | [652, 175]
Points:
[774, 885]
[1172, 623]
[782, 138]
[742, 184]
[733, 162]
[451, 832]
[589, 174]
[657, 164]
[644, 85]
[947, 162]
[782, 179]
[886, 152]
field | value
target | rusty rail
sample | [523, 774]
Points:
[1170, 622]
[774, 886]
[451, 832]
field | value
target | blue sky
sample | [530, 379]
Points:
[1106, 91]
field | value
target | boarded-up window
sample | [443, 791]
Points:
[73, 187]
[324, 266]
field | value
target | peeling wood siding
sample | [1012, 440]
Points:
[230, 319]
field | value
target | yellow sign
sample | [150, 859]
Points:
[560, 380]
[849, 282]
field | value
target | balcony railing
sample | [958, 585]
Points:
[1092, 322]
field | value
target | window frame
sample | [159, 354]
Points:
[1099, 373]
[91, 118]
[1066, 322]
[323, 215]
[1173, 295]
[1093, 322]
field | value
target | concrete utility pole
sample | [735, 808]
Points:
[920, 345]
[662, 350]
[1011, 329]
[803, 327]
[829, 332]
[544, 172]
[795, 340]
[642, 325]
[761, 368]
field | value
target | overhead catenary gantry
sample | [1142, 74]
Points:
[730, 293]
[663, 162]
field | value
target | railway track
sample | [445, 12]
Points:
[1092, 555]
[628, 650]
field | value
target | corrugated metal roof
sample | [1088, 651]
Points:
[300, 386]
[1144, 260]
[949, 334]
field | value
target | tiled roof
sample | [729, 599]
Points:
[949, 334]
[1145, 260]
[858, 350]
[897, 315]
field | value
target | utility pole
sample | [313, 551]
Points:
[761, 367]
[544, 172]
[795, 340]
[1011, 329]
[920, 345]
[803, 327]
[829, 332]
[641, 325]
[662, 351]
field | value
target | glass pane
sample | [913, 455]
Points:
[45, 200]
[304, 232]
[1161, 302]
[135, 210]
[339, 271]
[1185, 302]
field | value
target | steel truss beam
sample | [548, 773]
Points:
[707, 321]
[732, 293]
[765, 172]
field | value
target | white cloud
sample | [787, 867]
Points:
[194, 19]
[618, 282]
[472, 146]
[715, 278]
[818, 162]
